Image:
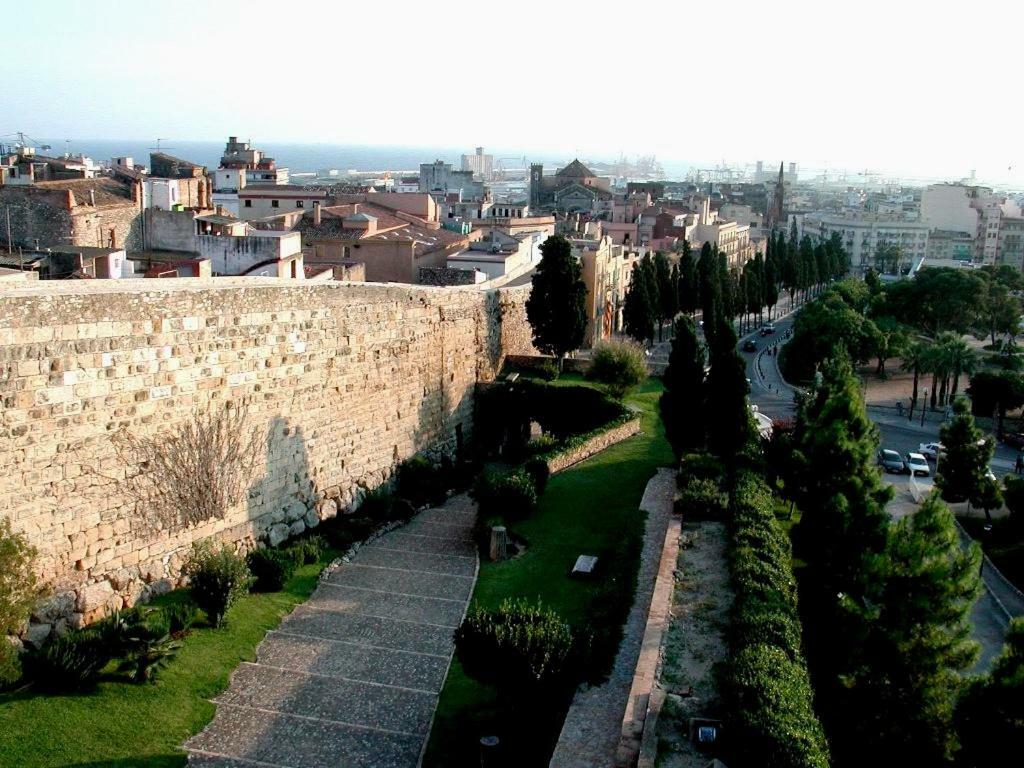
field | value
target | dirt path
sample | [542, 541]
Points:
[696, 643]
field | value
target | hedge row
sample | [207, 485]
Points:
[771, 700]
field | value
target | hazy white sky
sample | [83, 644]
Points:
[925, 88]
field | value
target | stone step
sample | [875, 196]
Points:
[290, 741]
[388, 605]
[449, 515]
[406, 582]
[430, 544]
[455, 531]
[378, 554]
[369, 630]
[329, 698]
[335, 658]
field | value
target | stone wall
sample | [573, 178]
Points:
[596, 444]
[342, 381]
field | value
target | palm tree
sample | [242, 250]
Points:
[962, 360]
[938, 364]
[916, 359]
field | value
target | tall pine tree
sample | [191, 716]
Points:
[726, 397]
[556, 308]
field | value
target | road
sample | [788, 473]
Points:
[773, 397]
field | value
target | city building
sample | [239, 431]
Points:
[479, 164]
[499, 255]
[607, 269]
[257, 201]
[240, 166]
[862, 234]
[572, 188]
[440, 179]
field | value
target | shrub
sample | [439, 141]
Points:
[18, 594]
[618, 366]
[541, 445]
[143, 638]
[420, 481]
[702, 466]
[767, 684]
[181, 616]
[521, 648]
[702, 499]
[547, 370]
[70, 661]
[402, 509]
[564, 412]
[377, 503]
[508, 496]
[217, 578]
[271, 568]
[538, 471]
[309, 550]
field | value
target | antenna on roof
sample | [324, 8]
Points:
[158, 148]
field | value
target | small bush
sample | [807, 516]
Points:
[377, 503]
[18, 594]
[539, 472]
[523, 649]
[547, 370]
[507, 496]
[181, 616]
[701, 499]
[403, 510]
[702, 466]
[142, 636]
[309, 550]
[618, 366]
[421, 482]
[217, 578]
[70, 661]
[271, 568]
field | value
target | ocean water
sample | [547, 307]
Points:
[310, 158]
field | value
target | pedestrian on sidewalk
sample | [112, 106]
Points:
[1018, 466]
[899, 408]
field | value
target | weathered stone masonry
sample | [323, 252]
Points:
[345, 380]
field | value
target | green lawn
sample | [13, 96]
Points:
[122, 724]
[587, 509]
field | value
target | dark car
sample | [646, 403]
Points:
[749, 346]
[768, 329]
[892, 462]
[1014, 439]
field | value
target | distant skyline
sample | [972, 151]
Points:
[873, 85]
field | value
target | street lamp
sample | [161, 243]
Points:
[924, 405]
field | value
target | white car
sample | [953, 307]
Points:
[918, 465]
[930, 450]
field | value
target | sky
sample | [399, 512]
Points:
[927, 90]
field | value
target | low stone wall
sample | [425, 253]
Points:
[595, 444]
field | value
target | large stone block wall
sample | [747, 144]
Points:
[343, 381]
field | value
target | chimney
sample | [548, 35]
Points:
[113, 238]
[92, 197]
[316, 213]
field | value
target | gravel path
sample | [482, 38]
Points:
[592, 729]
[352, 677]
[696, 641]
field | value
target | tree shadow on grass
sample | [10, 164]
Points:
[155, 761]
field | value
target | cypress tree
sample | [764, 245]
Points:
[963, 467]
[726, 397]
[638, 311]
[689, 289]
[710, 290]
[666, 291]
[556, 308]
[680, 403]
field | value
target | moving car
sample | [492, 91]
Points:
[749, 346]
[768, 329]
[930, 450]
[890, 461]
[918, 465]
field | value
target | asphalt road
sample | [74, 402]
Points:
[774, 397]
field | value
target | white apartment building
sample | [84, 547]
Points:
[862, 234]
[977, 212]
[240, 166]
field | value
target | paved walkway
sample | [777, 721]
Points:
[352, 677]
[592, 729]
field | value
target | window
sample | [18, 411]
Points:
[248, 203]
[298, 203]
[275, 203]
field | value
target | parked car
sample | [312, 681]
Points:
[768, 329]
[749, 346]
[930, 450]
[918, 465]
[1014, 439]
[891, 462]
